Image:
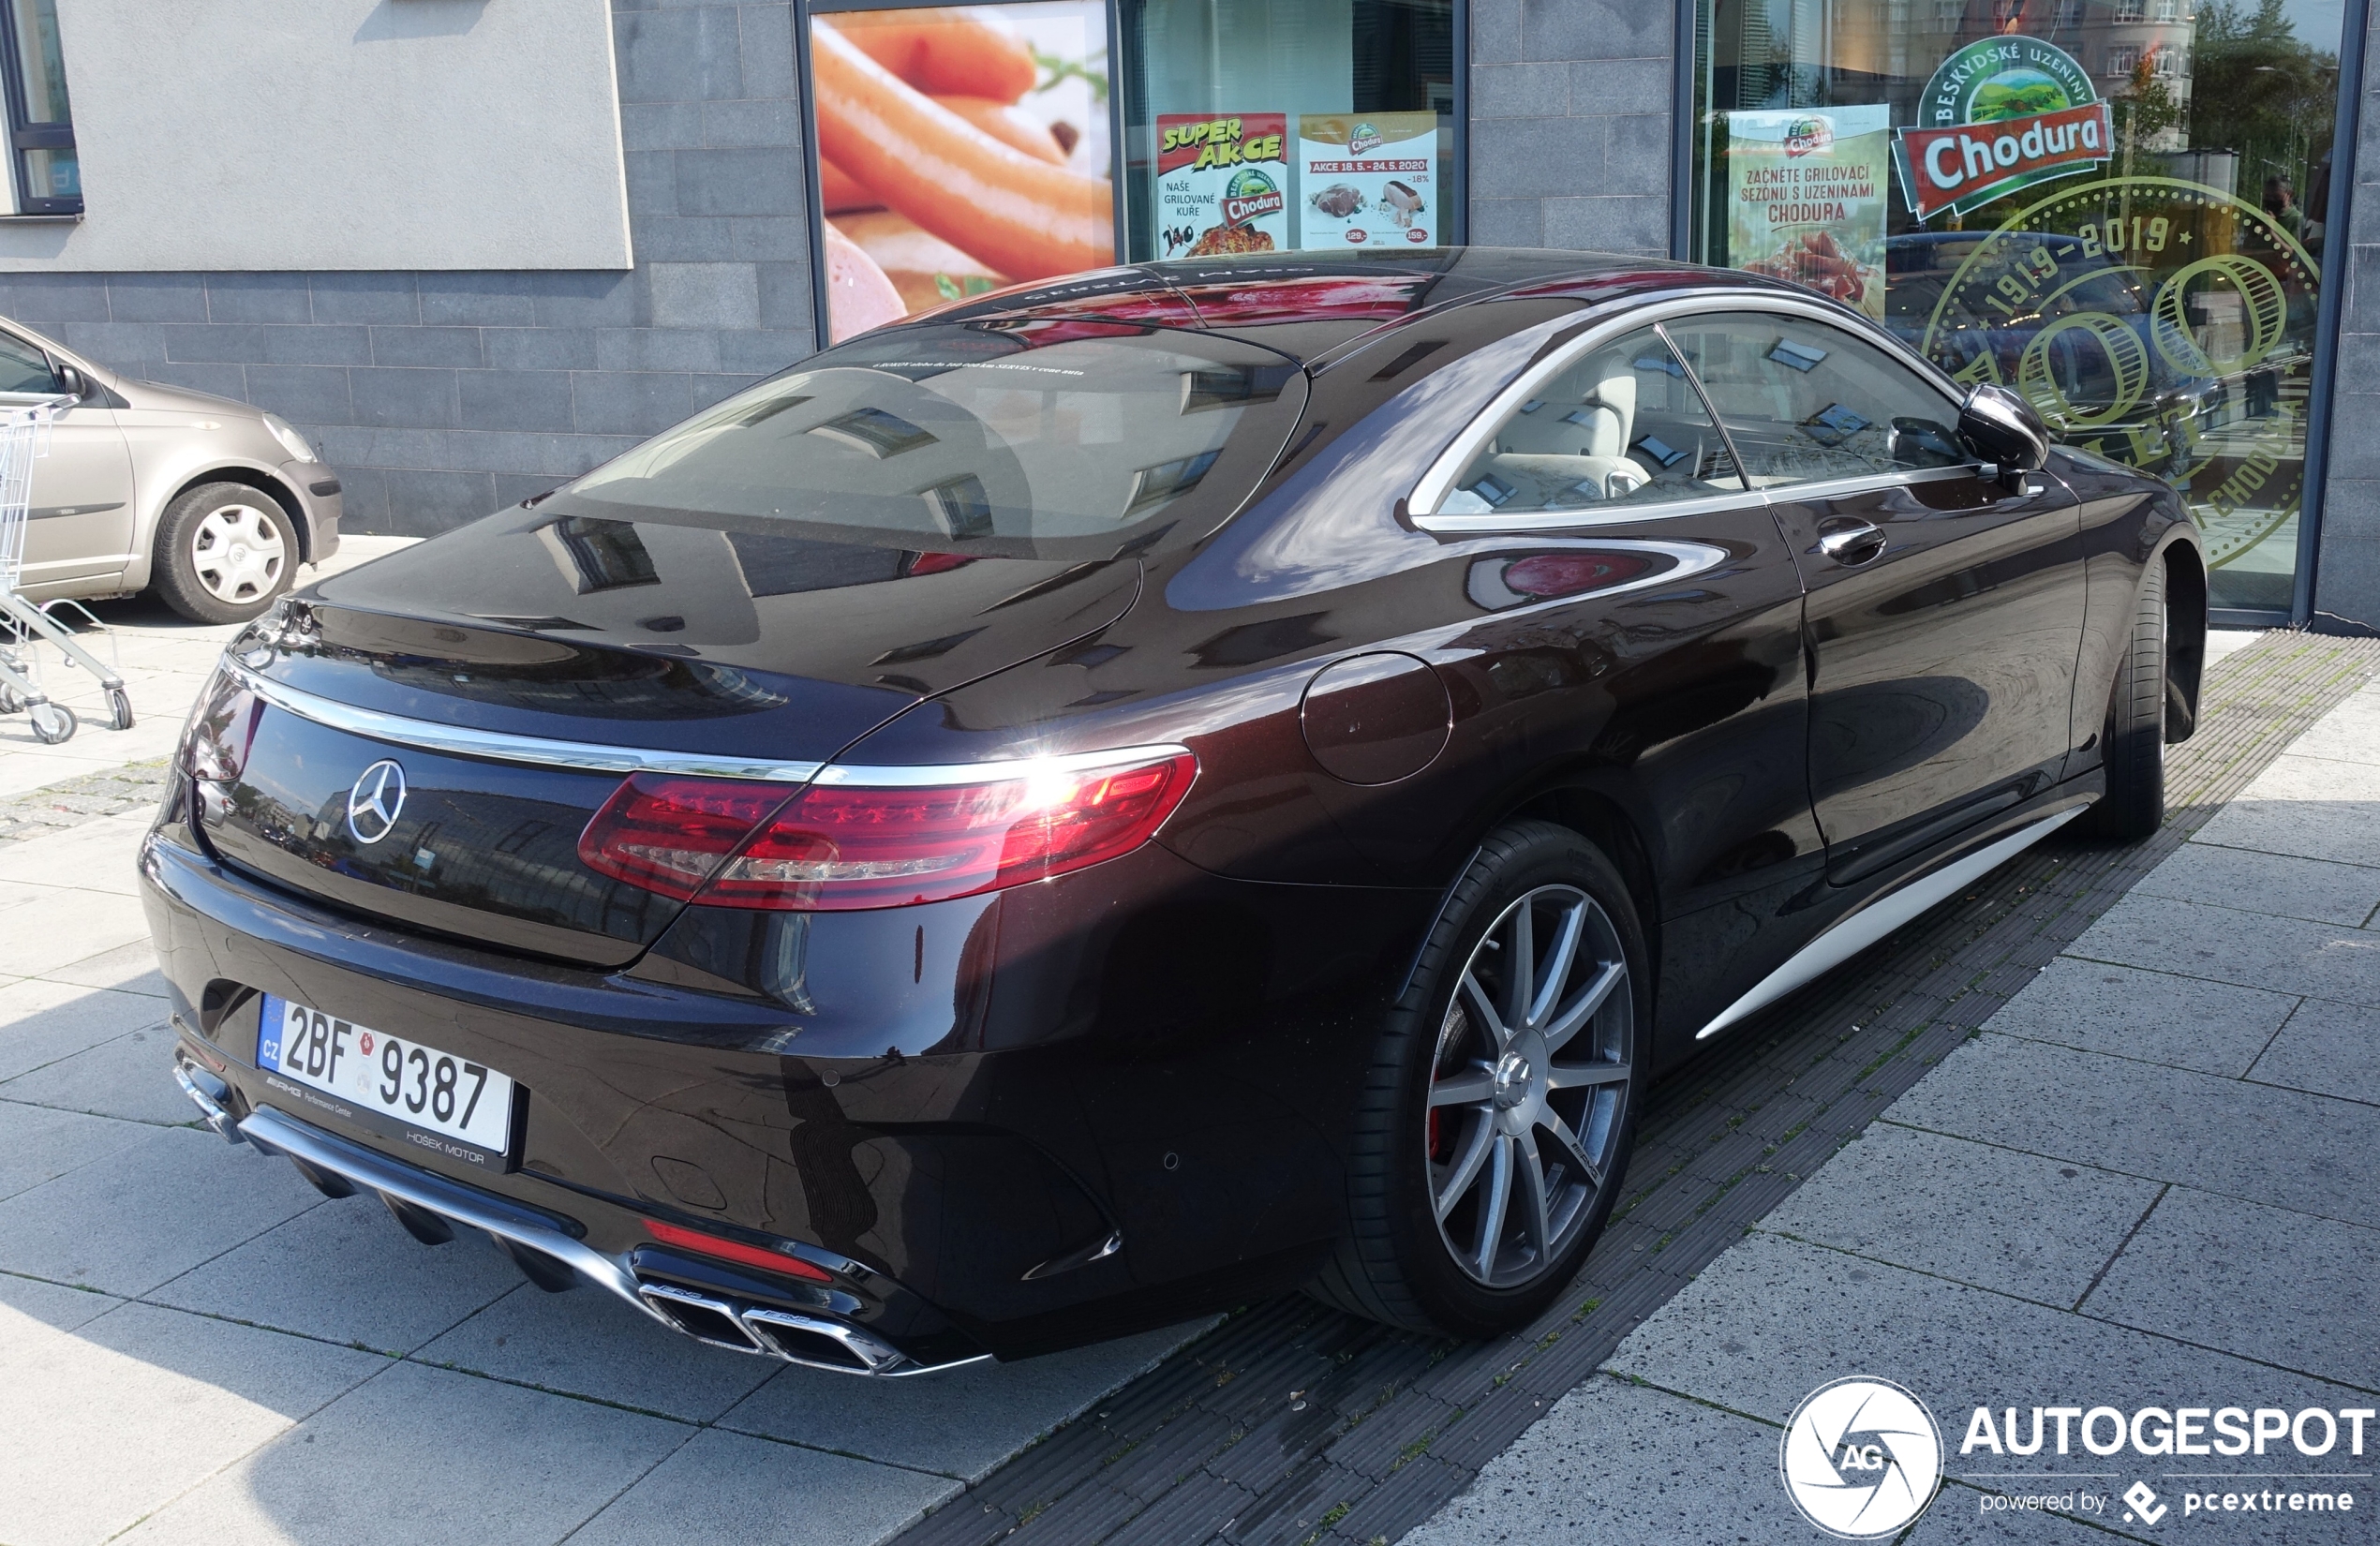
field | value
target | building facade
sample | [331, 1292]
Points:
[474, 247]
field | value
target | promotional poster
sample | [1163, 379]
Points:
[1368, 180]
[1806, 199]
[1222, 184]
[960, 150]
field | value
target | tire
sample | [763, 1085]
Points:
[224, 552]
[1397, 1262]
[2134, 805]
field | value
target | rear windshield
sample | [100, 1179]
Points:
[1039, 438]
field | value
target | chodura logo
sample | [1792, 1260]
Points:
[1363, 137]
[2000, 113]
[1808, 135]
[1861, 1457]
[1249, 194]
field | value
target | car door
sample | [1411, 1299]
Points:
[1638, 631]
[1945, 607]
[81, 521]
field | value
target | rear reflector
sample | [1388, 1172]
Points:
[735, 1251]
[833, 848]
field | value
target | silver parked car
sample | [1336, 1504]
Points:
[210, 503]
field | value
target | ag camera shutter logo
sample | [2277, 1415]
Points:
[1861, 1457]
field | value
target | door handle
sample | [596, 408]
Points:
[1849, 541]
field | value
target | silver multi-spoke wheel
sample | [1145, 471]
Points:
[237, 553]
[1529, 1086]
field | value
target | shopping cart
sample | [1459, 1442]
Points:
[25, 438]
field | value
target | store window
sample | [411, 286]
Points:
[2117, 208]
[963, 148]
[1278, 126]
[49, 181]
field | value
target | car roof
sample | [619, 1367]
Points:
[1317, 307]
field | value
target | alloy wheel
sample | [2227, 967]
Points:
[237, 554]
[1528, 1086]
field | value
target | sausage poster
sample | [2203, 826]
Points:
[1222, 184]
[960, 149]
[1368, 180]
[1806, 191]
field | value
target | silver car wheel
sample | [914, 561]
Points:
[237, 553]
[1528, 1086]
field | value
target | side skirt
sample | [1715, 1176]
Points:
[1881, 917]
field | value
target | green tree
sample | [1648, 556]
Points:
[2144, 109]
[2261, 91]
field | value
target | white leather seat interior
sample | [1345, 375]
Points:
[1560, 454]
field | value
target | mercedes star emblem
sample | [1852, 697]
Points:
[372, 805]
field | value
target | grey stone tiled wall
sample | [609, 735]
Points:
[1570, 104]
[441, 396]
[2347, 575]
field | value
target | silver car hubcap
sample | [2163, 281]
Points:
[1528, 1086]
[237, 554]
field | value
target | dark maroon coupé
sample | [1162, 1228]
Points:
[1128, 795]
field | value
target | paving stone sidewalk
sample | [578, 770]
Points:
[197, 1345]
[2148, 1180]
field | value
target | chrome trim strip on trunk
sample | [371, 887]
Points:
[498, 745]
[940, 775]
[588, 757]
[1872, 923]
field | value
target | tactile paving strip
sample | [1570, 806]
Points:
[1292, 1424]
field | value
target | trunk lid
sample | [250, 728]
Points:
[725, 649]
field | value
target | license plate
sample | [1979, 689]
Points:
[407, 1081]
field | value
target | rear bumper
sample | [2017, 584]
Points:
[545, 1246]
[1102, 1127]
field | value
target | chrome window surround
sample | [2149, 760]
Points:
[590, 757]
[1440, 480]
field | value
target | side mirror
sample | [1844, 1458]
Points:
[71, 383]
[2002, 429]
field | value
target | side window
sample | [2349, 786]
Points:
[1621, 426]
[1807, 403]
[24, 367]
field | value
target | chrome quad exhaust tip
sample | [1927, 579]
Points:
[812, 1341]
[208, 1093]
[432, 1209]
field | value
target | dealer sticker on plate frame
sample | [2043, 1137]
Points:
[410, 1083]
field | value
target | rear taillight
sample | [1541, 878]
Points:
[836, 847]
[215, 746]
[667, 834]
